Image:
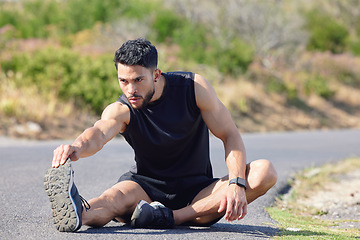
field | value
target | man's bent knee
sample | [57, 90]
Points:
[263, 175]
[119, 203]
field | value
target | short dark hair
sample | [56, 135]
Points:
[137, 52]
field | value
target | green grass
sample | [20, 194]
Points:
[300, 222]
[294, 226]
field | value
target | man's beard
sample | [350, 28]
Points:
[145, 100]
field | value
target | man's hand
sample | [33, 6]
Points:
[234, 202]
[63, 152]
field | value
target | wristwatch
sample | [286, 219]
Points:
[238, 181]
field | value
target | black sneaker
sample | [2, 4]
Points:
[154, 215]
[66, 203]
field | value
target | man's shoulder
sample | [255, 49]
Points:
[117, 111]
[118, 106]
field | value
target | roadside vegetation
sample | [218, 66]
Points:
[277, 65]
[322, 203]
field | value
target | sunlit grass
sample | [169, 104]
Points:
[20, 105]
[25, 103]
[297, 221]
[293, 226]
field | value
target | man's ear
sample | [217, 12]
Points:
[156, 74]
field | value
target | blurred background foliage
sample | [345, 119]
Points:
[285, 51]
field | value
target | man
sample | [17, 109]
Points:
[165, 117]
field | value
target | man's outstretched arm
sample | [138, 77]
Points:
[113, 120]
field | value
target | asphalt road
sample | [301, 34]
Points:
[25, 211]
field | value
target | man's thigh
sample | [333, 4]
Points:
[133, 190]
[211, 189]
[215, 190]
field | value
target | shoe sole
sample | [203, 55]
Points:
[57, 184]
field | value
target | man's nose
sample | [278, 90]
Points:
[132, 89]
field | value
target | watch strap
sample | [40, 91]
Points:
[238, 181]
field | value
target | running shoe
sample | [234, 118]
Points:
[154, 215]
[66, 203]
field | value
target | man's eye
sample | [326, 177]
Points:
[139, 79]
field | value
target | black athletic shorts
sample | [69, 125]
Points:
[174, 194]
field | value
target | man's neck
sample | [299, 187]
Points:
[159, 88]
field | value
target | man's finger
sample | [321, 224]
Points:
[54, 158]
[57, 156]
[244, 212]
[229, 210]
[237, 212]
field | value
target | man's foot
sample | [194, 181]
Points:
[154, 215]
[66, 203]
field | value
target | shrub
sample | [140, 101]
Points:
[192, 40]
[319, 86]
[234, 58]
[165, 25]
[198, 44]
[88, 81]
[33, 18]
[327, 34]
[355, 47]
[83, 14]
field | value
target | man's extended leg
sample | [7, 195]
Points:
[117, 202]
[260, 176]
[67, 205]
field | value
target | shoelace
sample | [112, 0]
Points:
[85, 203]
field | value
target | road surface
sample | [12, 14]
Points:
[25, 209]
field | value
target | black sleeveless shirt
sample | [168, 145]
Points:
[169, 137]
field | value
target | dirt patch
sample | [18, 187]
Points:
[339, 200]
[330, 193]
